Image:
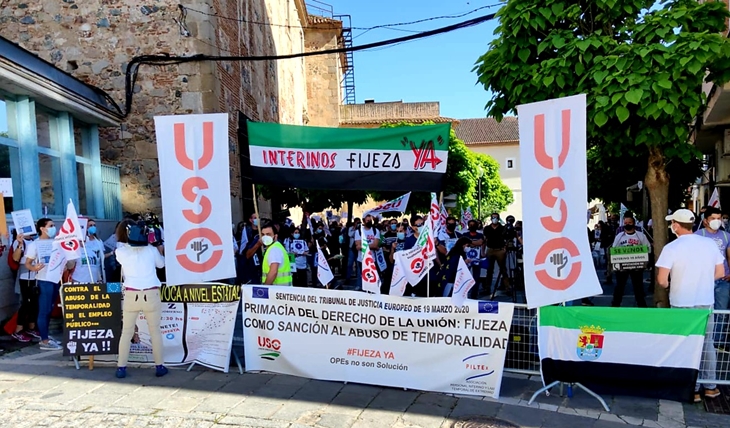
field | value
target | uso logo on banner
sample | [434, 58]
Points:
[558, 263]
[196, 196]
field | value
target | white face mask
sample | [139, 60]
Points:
[674, 231]
[267, 240]
[715, 224]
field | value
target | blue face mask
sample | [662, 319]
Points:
[296, 236]
[92, 230]
[319, 230]
[393, 226]
[51, 231]
[342, 239]
[255, 222]
[401, 236]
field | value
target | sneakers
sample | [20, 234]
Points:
[20, 337]
[50, 346]
[162, 370]
[697, 399]
[712, 393]
[121, 372]
[35, 334]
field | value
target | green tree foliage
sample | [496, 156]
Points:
[461, 179]
[642, 72]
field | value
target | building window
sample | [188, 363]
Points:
[510, 163]
[9, 160]
[84, 165]
[51, 193]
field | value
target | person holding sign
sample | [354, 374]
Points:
[627, 238]
[37, 259]
[140, 262]
[28, 312]
[299, 248]
[90, 270]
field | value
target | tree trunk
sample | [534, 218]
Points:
[350, 207]
[657, 183]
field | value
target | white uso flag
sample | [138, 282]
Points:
[558, 259]
[324, 273]
[462, 284]
[398, 281]
[70, 234]
[370, 277]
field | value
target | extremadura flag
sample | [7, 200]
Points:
[626, 351]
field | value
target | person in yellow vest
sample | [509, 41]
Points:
[276, 267]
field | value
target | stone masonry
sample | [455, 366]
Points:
[94, 40]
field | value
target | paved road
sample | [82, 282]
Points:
[44, 390]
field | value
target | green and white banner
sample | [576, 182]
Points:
[630, 258]
[349, 158]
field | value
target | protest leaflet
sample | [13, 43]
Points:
[426, 344]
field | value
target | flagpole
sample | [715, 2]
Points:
[255, 202]
[83, 245]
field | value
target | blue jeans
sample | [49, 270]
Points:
[47, 297]
[351, 261]
[358, 277]
[722, 299]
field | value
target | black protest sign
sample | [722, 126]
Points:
[92, 319]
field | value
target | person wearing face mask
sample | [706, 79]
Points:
[712, 230]
[298, 247]
[249, 251]
[627, 238]
[352, 254]
[37, 256]
[447, 238]
[318, 236]
[494, 237]
[477, 241]
[693, 263]
[725, 221]
[25, 330]
[89, 270]
[276, 269]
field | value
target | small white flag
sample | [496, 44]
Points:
[398, 281]
[56, 264]
[462, 284]
[398, 204]
[324, 273]
[370, 276]
[715, 199]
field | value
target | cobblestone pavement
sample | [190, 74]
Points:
[43, 389]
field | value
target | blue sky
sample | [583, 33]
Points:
[431, 69]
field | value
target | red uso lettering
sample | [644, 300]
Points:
[550, 198]
[203, 207]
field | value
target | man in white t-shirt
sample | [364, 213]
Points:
[694, 264]
[372, 237]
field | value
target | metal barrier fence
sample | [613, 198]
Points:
[522, 353]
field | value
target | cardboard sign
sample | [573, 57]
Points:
[92, 319]
[635, 257]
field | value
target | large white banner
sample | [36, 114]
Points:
[197, 324]
[558, 261]
[425, 344]
[196, 197]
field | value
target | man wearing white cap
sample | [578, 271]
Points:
[694, 264]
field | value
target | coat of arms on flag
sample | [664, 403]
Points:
[590, 343]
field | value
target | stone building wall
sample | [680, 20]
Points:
[323, 75]
[95, 39]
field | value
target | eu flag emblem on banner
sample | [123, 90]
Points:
[488, 307]
[260, 293]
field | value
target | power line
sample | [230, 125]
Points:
[387, 26]
[162, 60]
